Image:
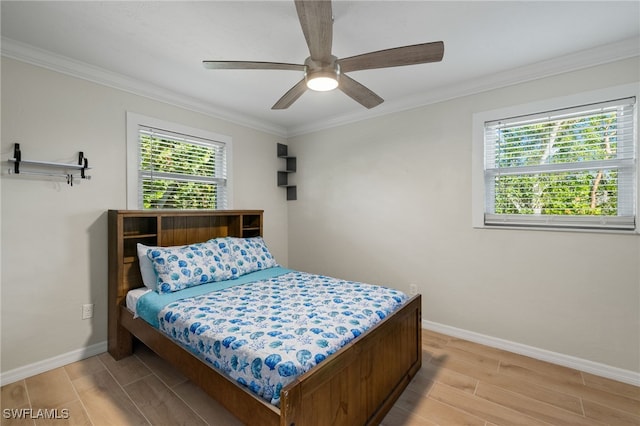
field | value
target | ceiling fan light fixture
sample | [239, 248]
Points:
[322, 81]
[322, 84]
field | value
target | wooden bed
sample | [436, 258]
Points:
[357, 385]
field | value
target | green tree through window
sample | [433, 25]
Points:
[574, 163]
[180, 172]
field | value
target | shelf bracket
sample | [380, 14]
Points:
[84, 162]
[17, 155]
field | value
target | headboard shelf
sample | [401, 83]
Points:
[132, 235]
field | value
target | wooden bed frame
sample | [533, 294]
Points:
[357, 385]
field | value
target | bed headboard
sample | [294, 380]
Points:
[168, 228]
[164, 228]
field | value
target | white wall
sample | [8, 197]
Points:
[571, 293]
[54, 247]
[389, 201]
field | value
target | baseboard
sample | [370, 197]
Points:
[51, 363]
[603, 370]
[598, 369]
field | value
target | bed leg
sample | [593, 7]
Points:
[121, 345]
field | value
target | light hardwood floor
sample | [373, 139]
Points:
[460, 383]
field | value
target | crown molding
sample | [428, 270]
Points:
[599, 55]
[45, 59]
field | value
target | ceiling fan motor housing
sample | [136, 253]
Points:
[320, 75]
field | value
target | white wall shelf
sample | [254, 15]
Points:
[39, 167]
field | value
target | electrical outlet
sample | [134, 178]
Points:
[87, 311]
[413, 289]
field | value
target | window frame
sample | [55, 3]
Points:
[134, 121]
[478, 151]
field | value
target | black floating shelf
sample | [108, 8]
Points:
[290, 167]
[292, 193]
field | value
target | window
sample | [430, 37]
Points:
[564, 168]
[174, 167]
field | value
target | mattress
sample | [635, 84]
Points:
[268, 329]
[132, 299]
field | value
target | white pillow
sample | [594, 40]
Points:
[148, 272]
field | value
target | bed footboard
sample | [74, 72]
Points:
[360, 384]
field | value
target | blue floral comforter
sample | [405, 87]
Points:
[265, 333]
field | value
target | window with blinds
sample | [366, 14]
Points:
[178, 171]
[571, 168]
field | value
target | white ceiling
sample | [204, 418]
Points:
[156, 48]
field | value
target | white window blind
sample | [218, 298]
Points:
[573, 168]
[178, 171]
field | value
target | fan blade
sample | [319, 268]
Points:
[291, 96]
[399, 56]
[251, 65]
[316, 20]
[358, 92]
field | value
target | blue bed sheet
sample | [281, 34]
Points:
[152, 302]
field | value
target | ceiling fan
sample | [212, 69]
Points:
[323, 71]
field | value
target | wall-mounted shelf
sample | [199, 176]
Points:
[36, 167]
[290, 167]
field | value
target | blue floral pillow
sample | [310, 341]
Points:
[250, 254]
[180, 267]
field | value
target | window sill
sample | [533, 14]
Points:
[635, 232]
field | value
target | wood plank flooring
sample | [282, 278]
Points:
[460, 383]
